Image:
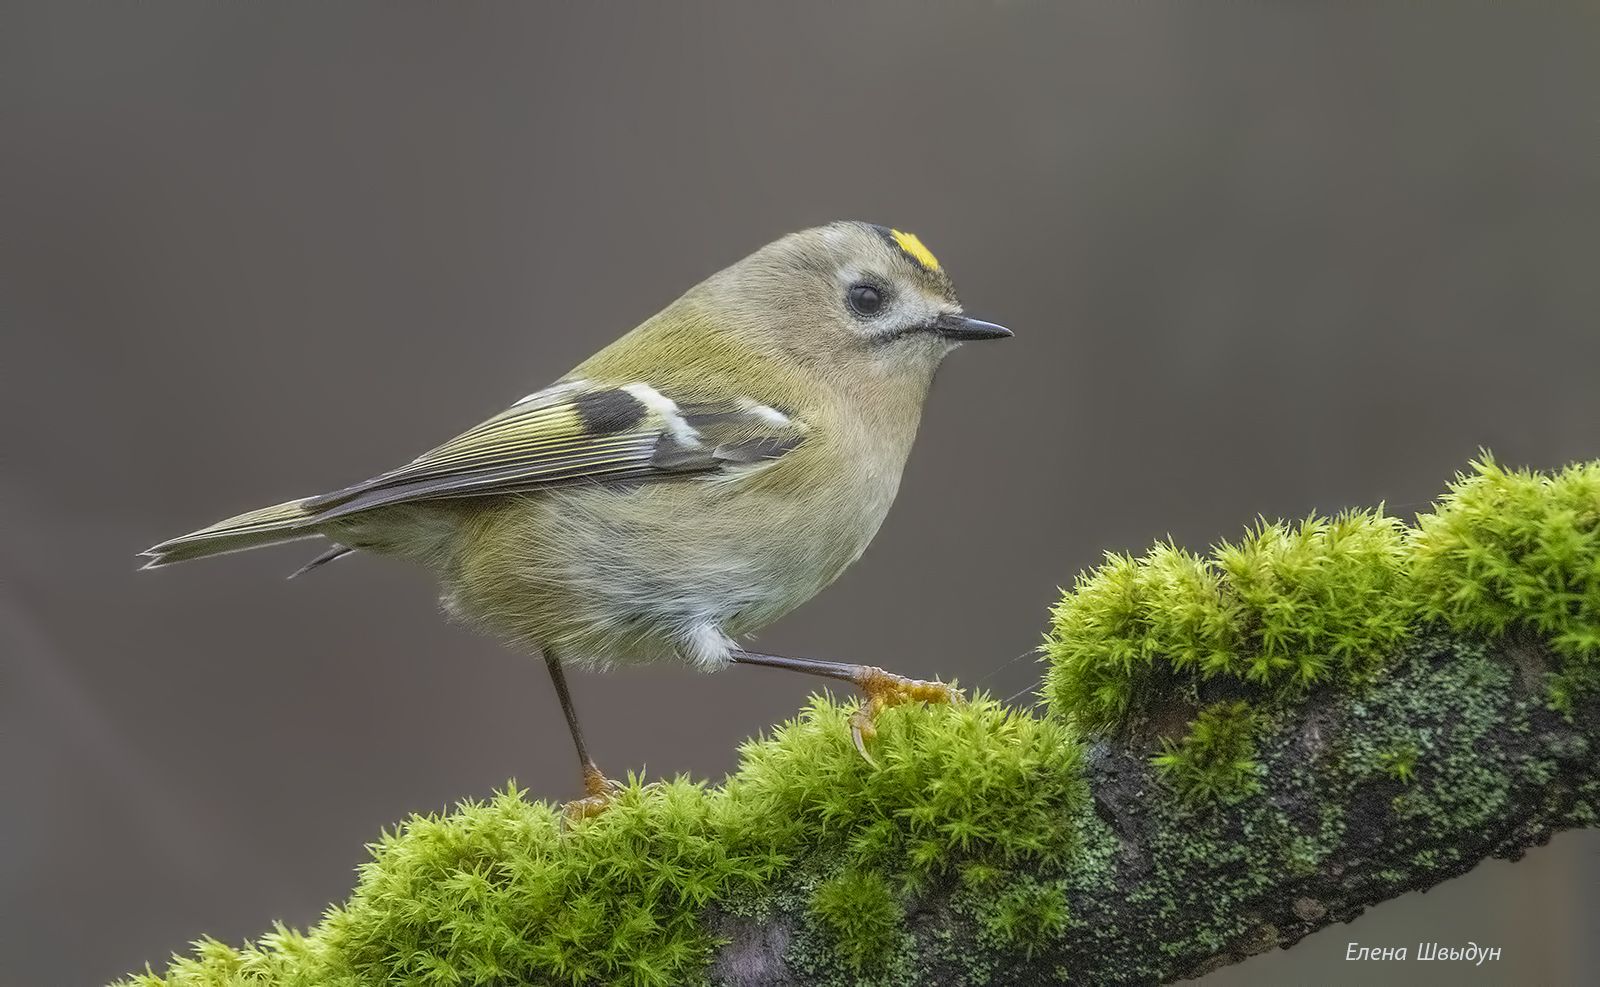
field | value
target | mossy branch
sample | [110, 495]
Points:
[1162, 888]
[1239, 750]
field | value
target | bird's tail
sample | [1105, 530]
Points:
[289, 521]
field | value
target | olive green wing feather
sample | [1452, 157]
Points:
[575, 433]
[567, 434]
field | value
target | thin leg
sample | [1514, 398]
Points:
[596, 786]
[882, 688]
[843, 671]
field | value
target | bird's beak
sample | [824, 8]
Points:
[960, 329]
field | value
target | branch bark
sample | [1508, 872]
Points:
[1453, 757]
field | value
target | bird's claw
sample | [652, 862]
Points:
[861, 729]
[586, 808]
[600, 793]
[885, 689]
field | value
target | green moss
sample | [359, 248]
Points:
[1284, 608]
[1326, 602]
[1324, 599]
[992, 799]
[1217, 759]
[281, 958]
[1027, 915]
[501, 891]
[977, 780]
[988, 789]
[517, 898]
[1514, 549]
[862, 915]
[1129, 620]
[1400, 761]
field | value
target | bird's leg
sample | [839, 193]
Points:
[597, 787]
[883, 688]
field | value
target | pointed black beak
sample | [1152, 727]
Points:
[959, 328]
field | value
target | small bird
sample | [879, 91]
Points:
[692, 482]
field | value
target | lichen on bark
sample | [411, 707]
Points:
[1161, 888]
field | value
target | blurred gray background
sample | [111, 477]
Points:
[1260, 260]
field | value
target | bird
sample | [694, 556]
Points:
[693, 481]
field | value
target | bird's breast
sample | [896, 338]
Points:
[622, 570]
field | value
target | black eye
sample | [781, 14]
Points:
[865, 299]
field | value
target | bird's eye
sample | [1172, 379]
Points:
[865, 299]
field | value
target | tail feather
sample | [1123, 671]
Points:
[284, 522]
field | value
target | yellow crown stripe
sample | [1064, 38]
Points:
[916, 249]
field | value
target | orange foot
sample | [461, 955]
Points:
[600, 791]
[883, 690]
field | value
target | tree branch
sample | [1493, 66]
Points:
[1317, 718]
[1450, 759]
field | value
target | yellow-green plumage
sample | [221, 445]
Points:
[252, 529]
[690, 483]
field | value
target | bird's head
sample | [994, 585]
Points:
[849, 300]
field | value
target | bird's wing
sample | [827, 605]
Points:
[576, 432]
